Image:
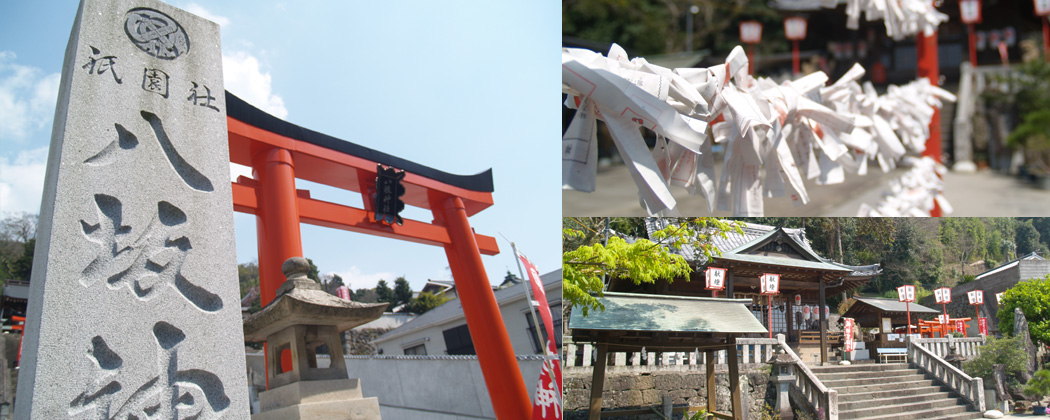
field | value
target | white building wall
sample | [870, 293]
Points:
[513, 311]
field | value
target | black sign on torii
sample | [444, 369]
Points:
[388, 194]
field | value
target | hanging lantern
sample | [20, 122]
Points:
[750, 32]
[827, 312]
[795, 28]
[769, 284]
[943, 319]
[715, 278]
[906, 293]
[943, 295]
[798, 300]
[976, 297]
[806, 312]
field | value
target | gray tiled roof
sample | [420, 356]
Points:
[893, 305]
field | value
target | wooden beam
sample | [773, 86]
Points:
[598, 383]
[823, 326]
[709, 368]
[737, 394]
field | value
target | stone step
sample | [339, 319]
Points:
[861, 381]
[969, 415]
[899, 386]
[869, 403]
[921, 414]
[893, 393]
[899, 408]
[824, 377]
[870, 367]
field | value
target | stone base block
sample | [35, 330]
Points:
[358, 409]
[310, 392]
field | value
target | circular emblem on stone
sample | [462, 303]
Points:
[156, 33]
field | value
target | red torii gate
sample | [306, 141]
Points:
[279, 152]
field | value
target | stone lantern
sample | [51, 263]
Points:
[300, 320]
[783, 375]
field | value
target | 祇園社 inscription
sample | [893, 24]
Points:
[133, 308]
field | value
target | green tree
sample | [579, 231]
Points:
[1005, 351]
[313, 274]
[1031, 297]
[1027, 238]
[643, 261]
[384, 294]
[247, 276]
[331, 284]
[402, 292]
[17, 241]
[365, 295]
[425, 302]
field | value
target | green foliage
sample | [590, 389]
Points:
[1027, 238]
[331, 283]
[384, 294]
[1005, 351]
[1039, 385]
[425, 302]
[643, 261]
[313, 274]
[402, 292]
[702, 414]
[247, 276]
[365, 295]
[1031, 297]
[17, 241]
[768, 413]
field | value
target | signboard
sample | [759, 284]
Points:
[982, 325]
[906, 293]
[848, 335]
[715, 278]
[976, 297]
[388, 194]
[1042, 7]
[770, 284]
[795, 28]
[750, 32]
[960, 326]
[943, 295]
[343, 292]
[970, 11]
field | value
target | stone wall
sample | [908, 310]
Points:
[628, 387]
[359, 341]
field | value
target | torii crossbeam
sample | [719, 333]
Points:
[279, 152]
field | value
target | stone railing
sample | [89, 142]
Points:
[808, 390]
[752, 351]
[971, 389]
[973, 82]
[968, 347]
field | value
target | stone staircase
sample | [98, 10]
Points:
[891, 391]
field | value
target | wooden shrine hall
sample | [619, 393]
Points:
[887, 315]
[758, 250]
[631, 322]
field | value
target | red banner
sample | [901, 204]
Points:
[848, 336]
[960, 326]
[982, 324]
[547, 404]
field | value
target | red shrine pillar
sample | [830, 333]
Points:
[929, 67]
[499, 366]
[277, 220]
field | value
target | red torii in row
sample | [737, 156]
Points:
[279, 152]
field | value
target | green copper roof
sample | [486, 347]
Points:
[638, 312]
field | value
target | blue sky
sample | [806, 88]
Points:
[455, 86]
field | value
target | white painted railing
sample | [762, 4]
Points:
[751, 351]
[968, 347]
[971, 389]
[808, 389]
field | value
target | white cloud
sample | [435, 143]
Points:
[22, 181]
[355, 279]
[244, 78]
[27, 98]
[204, 13]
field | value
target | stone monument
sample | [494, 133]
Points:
[299, 321]
[133, 309]
[1021, 331]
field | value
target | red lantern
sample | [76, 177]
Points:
[795, 28]
[715, 278]
[943, 295]
[769, 284]
[906, 293]
[1042, 7]
[970, 11]
[750, 32]
[806, 311]
[976, 297]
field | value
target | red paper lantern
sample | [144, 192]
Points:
[806, 311]
[750, 32]
[906, 293]
[795, 28]
[970, 11]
